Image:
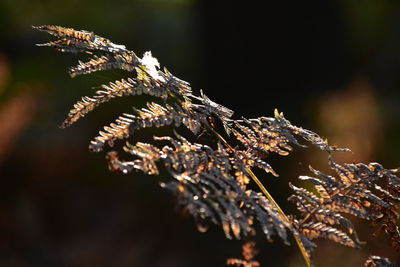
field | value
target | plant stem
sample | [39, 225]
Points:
[270, 198]
[283, 215]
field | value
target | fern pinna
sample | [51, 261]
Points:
[211, 181]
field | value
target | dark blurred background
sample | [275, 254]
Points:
[330, 66]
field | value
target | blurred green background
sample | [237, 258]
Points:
[330, 66]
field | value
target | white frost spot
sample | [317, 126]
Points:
[152, 65]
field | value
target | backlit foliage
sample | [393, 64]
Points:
[249, 253]
[210, 181]
[376, 261]
[354, 191]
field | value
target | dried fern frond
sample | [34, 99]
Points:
[376, 261]
[354, 191]
[264, 135]
[204, 186]
[249, 253]
[154, 115]
[192, 116]
[126, 62]
[210, 182]
[148, 80]
[112, 90]
[321, 230]
[130, 86]
[244, 159]
[148, 153]
[70, 40]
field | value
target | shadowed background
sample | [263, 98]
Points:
[330, 66]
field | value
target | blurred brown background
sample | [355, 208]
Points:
[330, 66]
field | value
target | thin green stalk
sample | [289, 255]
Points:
[270, 198]
[283, 215]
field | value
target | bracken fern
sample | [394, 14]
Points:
[210, 182]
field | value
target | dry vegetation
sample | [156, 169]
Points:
[210, 175]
